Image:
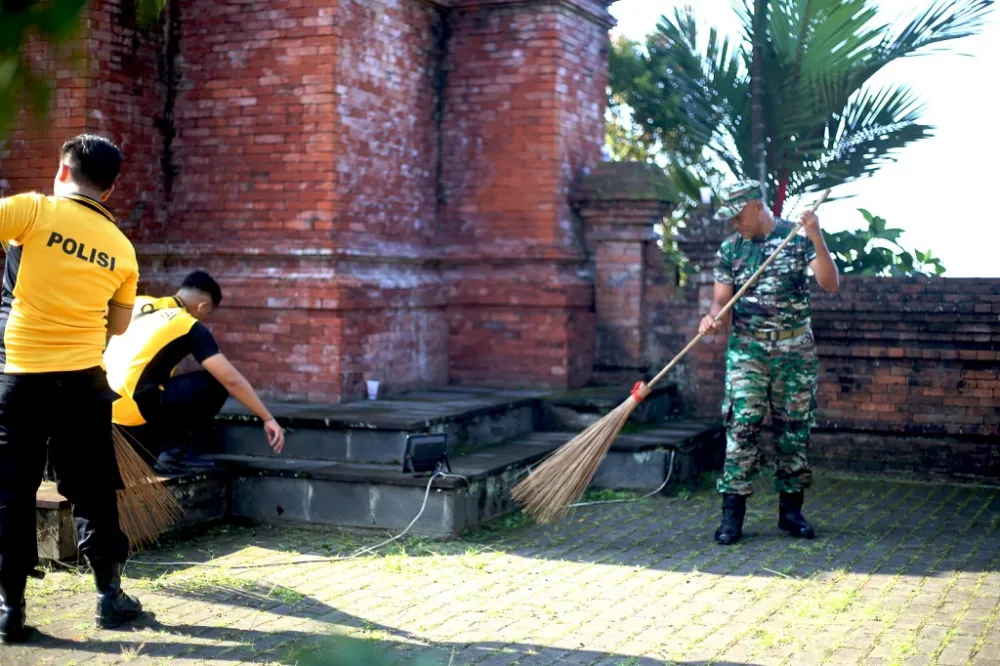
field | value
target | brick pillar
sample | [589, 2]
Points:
[621, 204]
[304, 167]
[523, 116]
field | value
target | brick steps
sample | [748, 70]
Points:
[376, 431]
[341, 465]
[381, 496]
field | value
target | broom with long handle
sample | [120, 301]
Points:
[561, 479]
[146, 507]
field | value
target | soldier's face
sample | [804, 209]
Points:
[750, 222]
[746, 222]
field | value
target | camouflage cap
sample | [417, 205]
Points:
[736, 197]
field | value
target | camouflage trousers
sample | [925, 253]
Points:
[759, 374]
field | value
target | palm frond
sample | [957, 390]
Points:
[876, 124]
[704, 80]
[942, 21]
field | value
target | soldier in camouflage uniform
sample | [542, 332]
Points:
[771, 359]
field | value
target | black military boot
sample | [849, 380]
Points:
[734, 509]
[114, 607]
[790, 516]
[12, 617]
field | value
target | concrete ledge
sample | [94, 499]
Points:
[376, 431]
[641, 461]
[350, 496]
[579, 408]
[418, 410]
[204, 497]
[383, 497]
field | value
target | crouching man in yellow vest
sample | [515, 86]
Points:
[165, 411]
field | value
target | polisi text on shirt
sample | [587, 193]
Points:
[72, 247]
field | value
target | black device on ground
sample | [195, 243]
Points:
[426, 453]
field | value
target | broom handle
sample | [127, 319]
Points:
[738, 294]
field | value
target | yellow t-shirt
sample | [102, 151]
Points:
[141, 361]
[66, 260]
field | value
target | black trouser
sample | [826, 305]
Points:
[71, 412]
[187, 403]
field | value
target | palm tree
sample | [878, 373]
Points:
[824, 123]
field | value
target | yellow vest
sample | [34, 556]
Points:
[156, 322]
[66, 260]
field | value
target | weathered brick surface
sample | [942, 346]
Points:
[523, 115]
[113, 86]
[307, 148]
[916, 356]
[701, 374]
[346, 170]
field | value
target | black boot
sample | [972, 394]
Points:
[114, 607]
[790, 516]
[12, 617]
[734, 508]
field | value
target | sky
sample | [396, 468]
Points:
[943, 190]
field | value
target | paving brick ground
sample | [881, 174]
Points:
[901, 574]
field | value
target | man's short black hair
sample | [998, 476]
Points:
[93, 160]
[204, 283]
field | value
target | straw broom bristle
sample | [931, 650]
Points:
[146, 507]
[563, 477]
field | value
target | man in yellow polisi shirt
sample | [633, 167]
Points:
[69, 282]
[163, 410]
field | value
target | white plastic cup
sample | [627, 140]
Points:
[372, 389]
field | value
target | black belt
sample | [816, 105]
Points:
[774, 336]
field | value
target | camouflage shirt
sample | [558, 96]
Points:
[779, 299]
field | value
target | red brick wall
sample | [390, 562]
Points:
[306, 145]
[619, 292]
[111, 88]
[912, 356]
[387, 80]
[700, 375]
[356, 176]
[523, 116]
[125, 101]
[388, 66]
[254, 116]
[507, 330]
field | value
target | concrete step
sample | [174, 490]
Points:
[375, 431]
[578, 408]
[382, 496]
[639, 459]
[203, 496]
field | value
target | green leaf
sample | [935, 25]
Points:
[60, 19]
[148, 11]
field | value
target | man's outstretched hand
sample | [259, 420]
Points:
[275, 435]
